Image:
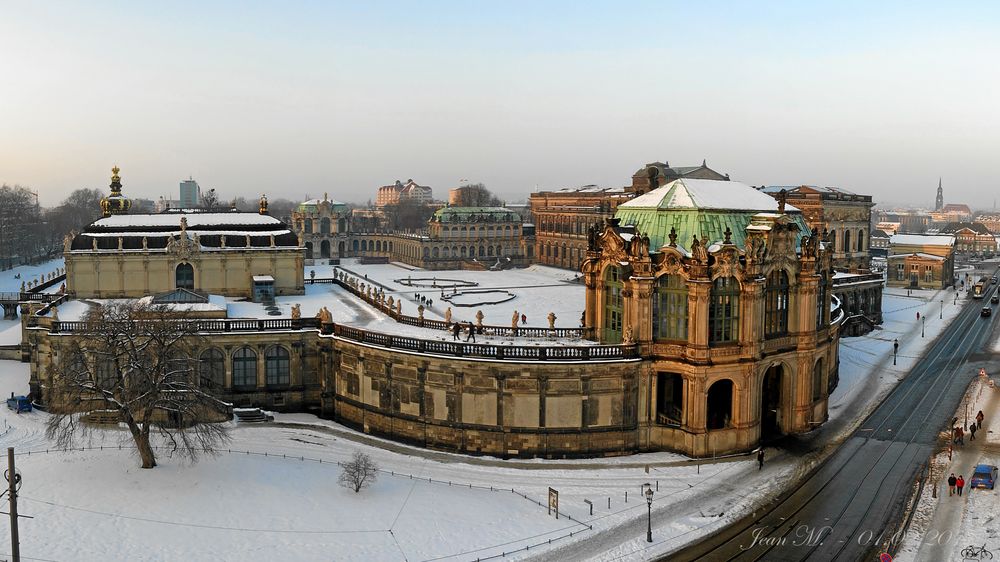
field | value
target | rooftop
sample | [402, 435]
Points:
[922, 240]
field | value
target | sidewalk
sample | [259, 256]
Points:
[939, 542]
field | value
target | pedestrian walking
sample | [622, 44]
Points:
[979, 419]
[954, 435]
[472, 332]
[524, 320]
[951, 484]
[960, 483]
[456, 329]
[972, 431]
[760, 459]
[961, 436]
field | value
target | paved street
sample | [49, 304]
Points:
[842, 510]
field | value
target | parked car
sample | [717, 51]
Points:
[19, 403]
[986, 311]
[995, 299]
[985, 476]
[993, 279]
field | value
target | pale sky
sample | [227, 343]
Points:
[294, 98]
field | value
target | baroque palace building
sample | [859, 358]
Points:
[709, 327]
[728, 296]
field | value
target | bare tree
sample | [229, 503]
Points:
[476, 195]
[210, 200]
[136, 360]
[359, 472]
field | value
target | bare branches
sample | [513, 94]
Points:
[360, 472]
[137, 361]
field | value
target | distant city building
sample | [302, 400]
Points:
[888, 227]
[991, 221]
[324, 225]
[939, 201]
[921, 262]
[562, 217]
[971, 238]
[163, 204]
[190, 194]
[399, 191]
[952, 212]
[880, 243]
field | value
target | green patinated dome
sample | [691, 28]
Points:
[312, 206]
[702, 208]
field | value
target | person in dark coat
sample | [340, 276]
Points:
[472, 332]
[960, 483]
[524, 319]
[972, 431]
[979, 419]
[760, 459]
[456, 329]
[951, 484]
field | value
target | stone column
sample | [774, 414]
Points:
[699, 291]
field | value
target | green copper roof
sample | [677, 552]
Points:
[312, 205]
[475, 214]
[699, 207]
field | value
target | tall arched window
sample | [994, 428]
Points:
[212, 369]
[833, 240]
[307, 226]
[861, 240]
[245, 368]
[776, 304]
[184, 276]
[821, 307]
[670, 308]
[324, 225]
[276, 366]
[724, 311]
[847, 241]
[613, 305]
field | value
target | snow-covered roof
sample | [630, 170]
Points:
[318, 201]
[922, 240]
[689, 193]
[263, 279]
[919, 255]
[194, 220]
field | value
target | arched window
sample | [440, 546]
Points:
[724, 311]
[720, 404]
[436, 253]
[482, 251]
[341, 225]
[861, 240]
[184, 276]
[354, 246]
[464, 251]
[670, 308]
[669, 399]
[506, 231]
[324, 225]
[276, 366]
[776, 304]
[613, 305]
[821, 307]
[309, 250]
[446, 252]
[427, 252]
[489, 251]
[817, 381]
[833, 240]
[324, 249]
[378, 245]
[847, 241]
[212, 369]
[245, 368]
[307, 226]
[364, 245]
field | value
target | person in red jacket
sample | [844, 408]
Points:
[960, 483]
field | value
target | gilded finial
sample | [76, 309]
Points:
[263, 204]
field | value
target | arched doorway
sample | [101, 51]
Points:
[324, 249]
[184, 276]
[309, 250]
[770, 403]
[720, 405]
[340, 249]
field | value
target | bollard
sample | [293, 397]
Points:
[626, 496]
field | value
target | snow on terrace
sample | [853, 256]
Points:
[10, 330]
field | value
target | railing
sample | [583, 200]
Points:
[214, 326]
[486, 351]
[25, 296]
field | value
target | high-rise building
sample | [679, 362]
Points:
[190, 194]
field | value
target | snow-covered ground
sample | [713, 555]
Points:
[10, 282]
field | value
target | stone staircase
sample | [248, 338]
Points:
[101, 417]
[251, 415]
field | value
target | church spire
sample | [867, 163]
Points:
[939, 202]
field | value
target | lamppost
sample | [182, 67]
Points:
[649, 512]
[895, 348]
[923, 322]
[941, 313]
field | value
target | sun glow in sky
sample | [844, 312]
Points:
[298, 98]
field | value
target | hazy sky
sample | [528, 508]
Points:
[294, 98]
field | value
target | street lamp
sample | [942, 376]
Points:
[649, 512]
[923, 322]
[895, 348]
[941, 313]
